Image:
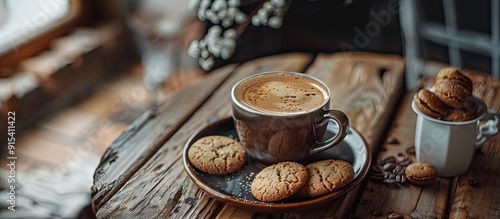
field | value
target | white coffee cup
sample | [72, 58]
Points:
[450, 146]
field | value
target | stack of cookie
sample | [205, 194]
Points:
[452, 99]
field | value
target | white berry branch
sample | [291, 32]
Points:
[229, 22]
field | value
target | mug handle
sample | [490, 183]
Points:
[343, 122]
[488, 129]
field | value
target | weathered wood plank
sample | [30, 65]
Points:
[477, 193]
[367, 87]
[404, 199]
[161, 188]
[143, 138]
[432, 201]
[373, 83]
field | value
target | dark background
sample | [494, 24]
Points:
[322, 26]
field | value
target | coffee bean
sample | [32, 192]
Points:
[398, 178]
[394, 216]
[405, 162]
[472, 182]
[390, 159]
[397, 169]
[387, 175]
[402, 171]
[401, 158]
[410, 150]
[392, 176]
[392, 140]
[391, 170]
[403, 178]
[377, 212]
[390, 181]
[389, 166]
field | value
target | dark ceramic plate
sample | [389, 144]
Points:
[234, 188]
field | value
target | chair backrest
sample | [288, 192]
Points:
[465, 34]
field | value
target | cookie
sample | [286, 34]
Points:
[461, 115]
[421, 174]
[327, 176]
[454, 88]
[430, 104]
[454, 94]
[453, 74]
[217, 155]
[279, 181]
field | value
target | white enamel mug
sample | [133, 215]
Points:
[450, 146]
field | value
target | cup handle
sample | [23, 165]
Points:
[343, 122]
[488, 129]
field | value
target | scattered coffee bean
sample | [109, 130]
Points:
[377, 212]
[401, 158]
[389, 166]
[472, 182]
[410, 150]
[394, 216]
[392, 176]
[392, 140]
[387, 175]
[405, 162]
[403, 178]
[398, 178]
[390, 181]
[398, 169]
[390, 159]
[391, 169]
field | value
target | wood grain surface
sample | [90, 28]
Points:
[477, 192]
[143, 138]
[456, 197]
[365, 86]
[161, 188]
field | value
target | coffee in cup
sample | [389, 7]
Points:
[282, 93]
[283, 116]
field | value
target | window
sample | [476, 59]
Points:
[462, 33]
[28, 26]
[23, 20]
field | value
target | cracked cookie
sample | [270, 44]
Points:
[327, 176]
[454, 88]
[217, 155]
[279, 181]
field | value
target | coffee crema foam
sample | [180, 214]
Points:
[283, 93]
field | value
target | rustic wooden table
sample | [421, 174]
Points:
[141, 175]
